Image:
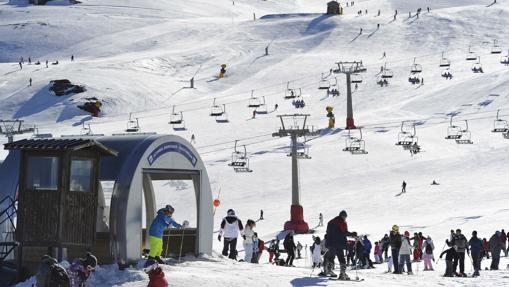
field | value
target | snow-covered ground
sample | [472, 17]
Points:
[137, 56]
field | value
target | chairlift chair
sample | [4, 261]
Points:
[505, 59]
[414, 78]
[447, 73]
[387, 73]
[254, 102]
[500, 125]
[177, 120]
[302, 150]
[495, 49]
[406, 138]
[444, 62]
[133, 126]
[86, 130]
[466, 135]
[355, 145]
[240, 160]
[453, 132]
[356, 78]
[477, 67]
[223, 117]
[292, 93]
[471, 56]
[324, 84]
[262, 110]
[416, 68]
[215, 110]
[506, 134]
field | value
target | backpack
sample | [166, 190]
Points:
[428, 249]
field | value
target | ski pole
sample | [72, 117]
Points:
[181, 244]
[443, 248]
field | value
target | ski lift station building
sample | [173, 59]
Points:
[61, 207]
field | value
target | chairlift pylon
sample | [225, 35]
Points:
[240, 159]
[133, 126]
[500, 125]
[444, 62]
[355, 145]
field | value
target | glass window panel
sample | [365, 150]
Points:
[42, 173]
[81, 175]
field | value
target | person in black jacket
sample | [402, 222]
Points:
[337, 231]
[450, 254]
[475, 249]
[460, 244]
[395, 243]
[289, 246]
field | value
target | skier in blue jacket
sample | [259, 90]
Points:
[156, 231]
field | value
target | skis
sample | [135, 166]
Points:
[349, 280]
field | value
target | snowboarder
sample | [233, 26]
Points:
[155, 274]
[290, 247]
[428, 247]
[337, 231]
[30, 82]
[222, 71]
[316, 252]
[435, 183]
[403, 187]
[162, 221]
[404, 253]
[495, 249]
[450, 254]
[51, 273]
[475, 250]
[72, 58]
[81, 269]
[275, 107]
[299, 250]
[460, 244]
[231, 226]
[261, 214]
[320, 219]
[248, 236]
[395, 243]
[360, 31]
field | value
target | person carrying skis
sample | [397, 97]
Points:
[450, 254]
[155, 274]
[395, 243]
[428, 248]
[316, 252]
[231, 226]
[337, 231]
[404, 254]
[460, 244]
[495, 249]
[248, 236]
[475, 250]
[162, 221]
[289, 246]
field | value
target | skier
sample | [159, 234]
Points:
[261, 214]
[231, 226]
[495, 249]
[367, 250]
[378, 253]
[155, 274]
[450, 254]
[193, 139]
[378, 25]
[385, 245]
[404, 253]
[428, 247]
[316, 252]
[503, 240]
[460, 244]
[273, 249]
[275, 107]
[378, 12]
[395, 243]
[337, 231]
[81, 269]
[299, 250]
[248, 236]
[289, 246]
[254, 114]
[475, 250]
[46, 63]
[20, 66]
[258, 247]
[222, 71]
[435, 183]
[30, 82]
[162, 221]
[350, 252]
[403, 187]
[51, 273]
[29, 61]
[320, 218]
[383, 56]
[359, 254]
[485, 252]
[72, 58]
[428, 9]
[356, 87]
[417, 245]
[360, 31]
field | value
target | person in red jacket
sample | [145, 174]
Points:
[155, 274]
[485, 249]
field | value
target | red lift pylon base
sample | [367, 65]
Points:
[297, 222]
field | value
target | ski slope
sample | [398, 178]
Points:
[138, 56]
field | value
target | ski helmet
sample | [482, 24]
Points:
[343, 213]
[150, 265]
[395, 228]
[230, 212]
[169, 208]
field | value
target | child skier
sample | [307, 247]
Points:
[378, 253]
[449, 257]
[155, 274]
[428, 254]
[316, 251]
[81, 269]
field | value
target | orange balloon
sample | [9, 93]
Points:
[216, 202]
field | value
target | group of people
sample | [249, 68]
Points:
[298, 104]
[52, 274]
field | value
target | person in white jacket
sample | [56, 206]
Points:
[316, 249]
[248, 236]
[231, 226]
[404, 253]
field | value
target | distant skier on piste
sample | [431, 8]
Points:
[231, 226]
[337, 232]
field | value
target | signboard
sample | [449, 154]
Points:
[172, 147]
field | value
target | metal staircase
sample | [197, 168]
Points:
[7, 218]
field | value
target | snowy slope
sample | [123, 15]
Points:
[138, 55]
